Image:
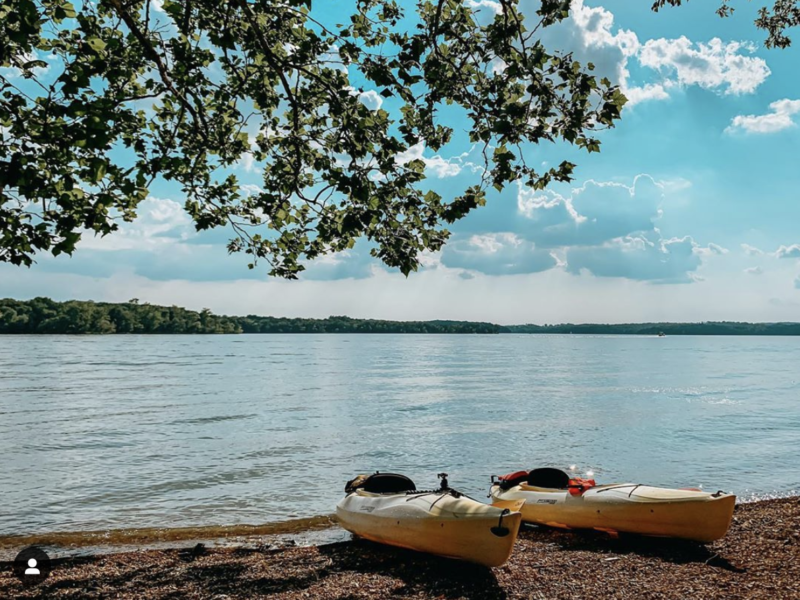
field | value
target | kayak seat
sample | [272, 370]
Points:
[381, 483]
[547, 477]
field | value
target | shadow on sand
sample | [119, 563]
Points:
[420, 574]
[670, 550]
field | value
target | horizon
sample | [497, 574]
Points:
[142, 302]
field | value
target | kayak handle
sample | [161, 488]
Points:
[499, 530]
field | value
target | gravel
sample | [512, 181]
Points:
[759, 558]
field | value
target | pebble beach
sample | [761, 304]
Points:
[759, 558]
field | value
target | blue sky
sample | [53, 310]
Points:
[690, 211]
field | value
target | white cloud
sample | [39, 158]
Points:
[711, 250]
[607, 229]
[650, 91]
[437, 166]
[494, 7]
[592, 214]
[497, 254]
[642, 257]
[160, 222]
[497, 65]
[752, 250]
[590, 33]
[26, 57]
[778, 119]
[371, 99]
[792, 251]
[251, 190]
[248, 163]
[754, 271]
[716, 65]
[441, 167]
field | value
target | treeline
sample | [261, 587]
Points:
[705, 328]
[256, 324]
[43, 315]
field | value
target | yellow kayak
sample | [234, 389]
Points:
[553, 499]
[388, 509]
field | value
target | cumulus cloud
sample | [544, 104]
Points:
[642, 257]
[716, 65]
[437, 166]
[780, 117]
[160, 222]
[650, 91]
[792, 251]
[497, 254]
[752, 250]
[592, 214]
[370, 98]
[591, 33]
[494, 7]
[711, 250]
[606, 229]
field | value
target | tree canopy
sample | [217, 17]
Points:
[783, 15]
[140, 91]
[183, 93]
[43, 315]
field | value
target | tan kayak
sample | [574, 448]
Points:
[623, 507]
[388, 509]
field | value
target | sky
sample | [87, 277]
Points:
[690, 211]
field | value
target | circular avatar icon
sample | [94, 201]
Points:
[32, 565]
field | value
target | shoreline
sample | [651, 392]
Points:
[759, 558]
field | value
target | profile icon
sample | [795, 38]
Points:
[32, 566]
[32, 570]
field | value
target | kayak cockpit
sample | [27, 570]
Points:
[381, 483]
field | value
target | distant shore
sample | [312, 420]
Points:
[46, 316]
[759, 558]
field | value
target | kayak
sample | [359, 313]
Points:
[554, 499]
[388, 509]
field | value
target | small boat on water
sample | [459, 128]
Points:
[387, 508]
[555, 499]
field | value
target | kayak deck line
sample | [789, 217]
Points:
[555, 499]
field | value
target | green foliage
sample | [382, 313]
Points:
[255, 324]
[43, 315]
[784, 15]
[186, 94]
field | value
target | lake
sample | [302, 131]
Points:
[171, 431]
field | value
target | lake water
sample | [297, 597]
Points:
[171, 431]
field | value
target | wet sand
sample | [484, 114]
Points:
[759, 558]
